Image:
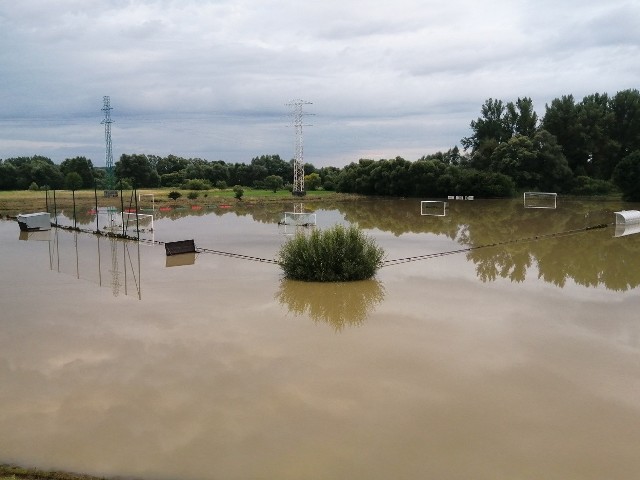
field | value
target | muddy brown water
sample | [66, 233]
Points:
[516, 357]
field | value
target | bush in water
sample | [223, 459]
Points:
[337, 254]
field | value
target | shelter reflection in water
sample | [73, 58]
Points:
[345, 304]
[106, 261]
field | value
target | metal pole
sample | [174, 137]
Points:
[73, 195]
[55, 208]
[95, 192]
[121, 208]
[135, 192]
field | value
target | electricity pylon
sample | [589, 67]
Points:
[298, 163]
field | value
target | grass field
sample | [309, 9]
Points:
[25, 201]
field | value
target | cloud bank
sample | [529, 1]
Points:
[212, 78]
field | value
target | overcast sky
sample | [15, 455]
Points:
[212, 78]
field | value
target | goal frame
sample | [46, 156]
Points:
[153, 200]
[299, 219]
[424, 203]
[128, 224]
[540, 195]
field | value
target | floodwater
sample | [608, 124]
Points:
[499, 342]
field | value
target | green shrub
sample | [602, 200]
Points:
[584, 185]
[337, 254]
[196, 184]
[238, 192]
[192, 195]
[173, 195]
[34, 187]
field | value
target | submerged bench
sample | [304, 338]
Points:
[182, 246]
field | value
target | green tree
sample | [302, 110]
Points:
[238, 192]
[625, 107]
[8, 176]
[274, 183]
[596, 119]
[82, 166]
[274, 165]
[37, 169]
[561, 120]
[533, 163]
[627, 176]
[520, 118]
[138, 169]
[170, 164]
[73, 181]
[491, 126]
[312, 181]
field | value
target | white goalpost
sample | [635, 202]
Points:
[434, 208]
[137, 221]
[540, 200]
[299, 219]
[146, 196]
[126, 221]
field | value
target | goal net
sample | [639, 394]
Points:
[137, 221]
[126, 222]
[147, 201]
[434, 208]
[299, 219]
[540, 200]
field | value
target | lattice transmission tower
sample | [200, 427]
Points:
[110, 181]
[298, 164]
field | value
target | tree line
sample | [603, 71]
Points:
[586, 147]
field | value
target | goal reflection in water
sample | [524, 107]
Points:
[106, 261]
[342, 304]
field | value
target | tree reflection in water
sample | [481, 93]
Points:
[343, 304]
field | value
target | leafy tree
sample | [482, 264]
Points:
[625, 107]
[627, 176]
[218, 172]
[170, 164]
[82, 166]
[450, 157]
[73, 181]
[329, 177]
[174, 195]
[491, 126]
[8, 176]
[138, 168]
[520, 118]
[274, 165]
[584, 185]
[533, 163]
[312, 181]
[174, 179]
[274, 183]
[596, 120]
[37, 169]
[238, 192]
[561, 120]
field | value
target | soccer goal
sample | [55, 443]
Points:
[134, 222]
[540, 200]
[146, 197]
[299, 219]
[434, 208]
